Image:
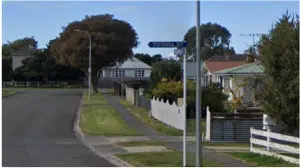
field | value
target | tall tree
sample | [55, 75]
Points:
[215, 40]
[157, 58]
[251, 54]
[279, 52]
[42, 67]
[146, 58]
[10, 47]
[167, 69]
[112, 42]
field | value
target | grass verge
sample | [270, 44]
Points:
[6, 93]
[100, 118]
[143, 115]
[260, 160]
[162, 159]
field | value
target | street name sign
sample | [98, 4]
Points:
[179, 52]
[167, 44]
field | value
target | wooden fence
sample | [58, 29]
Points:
[277, 146]
[167, 113]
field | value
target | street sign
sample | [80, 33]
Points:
[167, 44]
[179, 52]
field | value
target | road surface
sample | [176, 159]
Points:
[37, 130]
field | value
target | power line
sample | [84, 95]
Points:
[253, 35]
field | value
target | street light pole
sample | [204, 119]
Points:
[198, 90]
[90, 60]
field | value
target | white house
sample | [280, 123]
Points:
[231, 71]
[20, 55]
[131, 69]
[244, 75]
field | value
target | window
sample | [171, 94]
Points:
[108, 73]
[119, 73]
[226, 83]
[139, 73]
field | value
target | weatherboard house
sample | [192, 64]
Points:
[20, 55]
[131, 69]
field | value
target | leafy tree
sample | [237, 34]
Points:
[6, 69]
[146, 58]
[10, 47]
[251, 53]
[156, 58]
[279, 52]
[24, 42]
[168, 69]
[215, 40]
[42, 67]
[112, 42]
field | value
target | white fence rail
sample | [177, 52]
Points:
[276, 146]
[34, 84]
[167, 113]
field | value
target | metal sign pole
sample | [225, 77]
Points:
[184, 107]
[198, 91]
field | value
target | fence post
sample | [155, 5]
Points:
[38, 84]
[251, 136]
[268, 137]
[208, 124]
[27, 84]
[15, 84]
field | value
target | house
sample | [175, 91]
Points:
[21, 54]
[131, 69]
[240, 80]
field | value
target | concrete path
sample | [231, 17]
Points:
[140, 126]
[37, 131]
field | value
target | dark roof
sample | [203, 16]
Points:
[25, 51]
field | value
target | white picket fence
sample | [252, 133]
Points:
[279, 147]
[130, 95]
[32, 84]
[167, 113]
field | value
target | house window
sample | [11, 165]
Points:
[108, 73]
[139, 73]
[120, 73]
[226, 83]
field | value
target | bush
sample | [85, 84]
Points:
[212, 95]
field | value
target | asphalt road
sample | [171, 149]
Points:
[37, 130]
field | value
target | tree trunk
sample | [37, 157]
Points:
[94, 86]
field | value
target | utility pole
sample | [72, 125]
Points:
[198, 90]
[253, 37]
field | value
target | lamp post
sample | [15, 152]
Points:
[90, 59]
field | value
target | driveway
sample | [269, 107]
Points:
[37, 130]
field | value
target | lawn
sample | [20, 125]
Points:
[99, 118]
[143, 115]
[6, 93]
[163, 159]
[225, 144]
[260, 160]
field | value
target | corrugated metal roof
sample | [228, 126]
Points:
[254, 67]
[132, 63]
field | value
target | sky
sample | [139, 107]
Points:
[152, 20]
